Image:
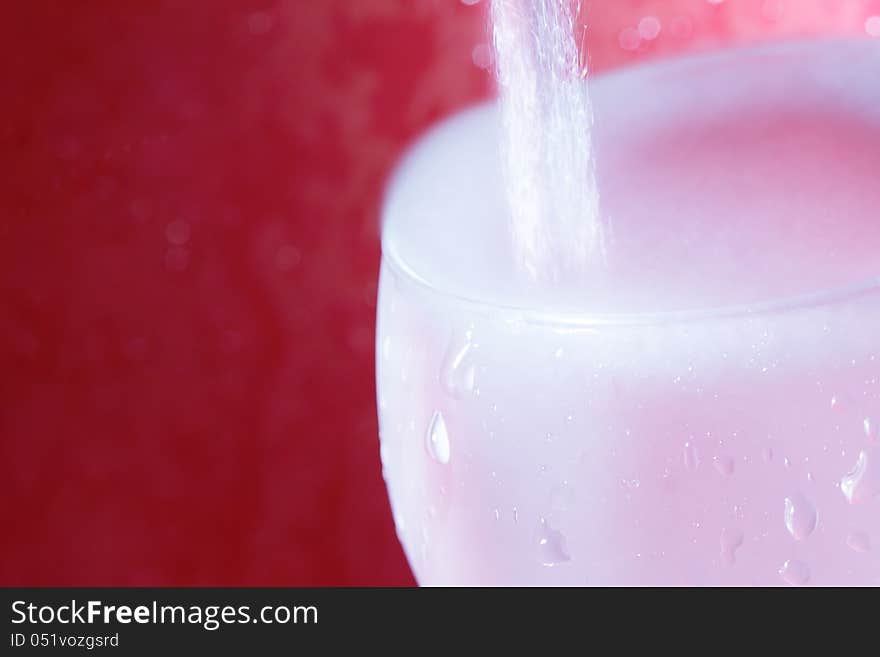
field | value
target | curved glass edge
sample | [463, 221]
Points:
[585, 320]
[578, 318]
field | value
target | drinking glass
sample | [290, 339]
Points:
[705, 412]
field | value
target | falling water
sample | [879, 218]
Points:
[547, 152]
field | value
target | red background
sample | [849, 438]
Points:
[189, 197]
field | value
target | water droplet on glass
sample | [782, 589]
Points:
[767, 454]
[862, 483]
[858, 542]
[731, 539]
[794, 572]
[724, 465]
[800, 516]
[437, 439]
[690, 457]
[551, 545]
[458, 371]
[870, 430]
[497, 513]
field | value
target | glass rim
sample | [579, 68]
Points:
[582, 318]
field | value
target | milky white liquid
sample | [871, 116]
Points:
[704, 412]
